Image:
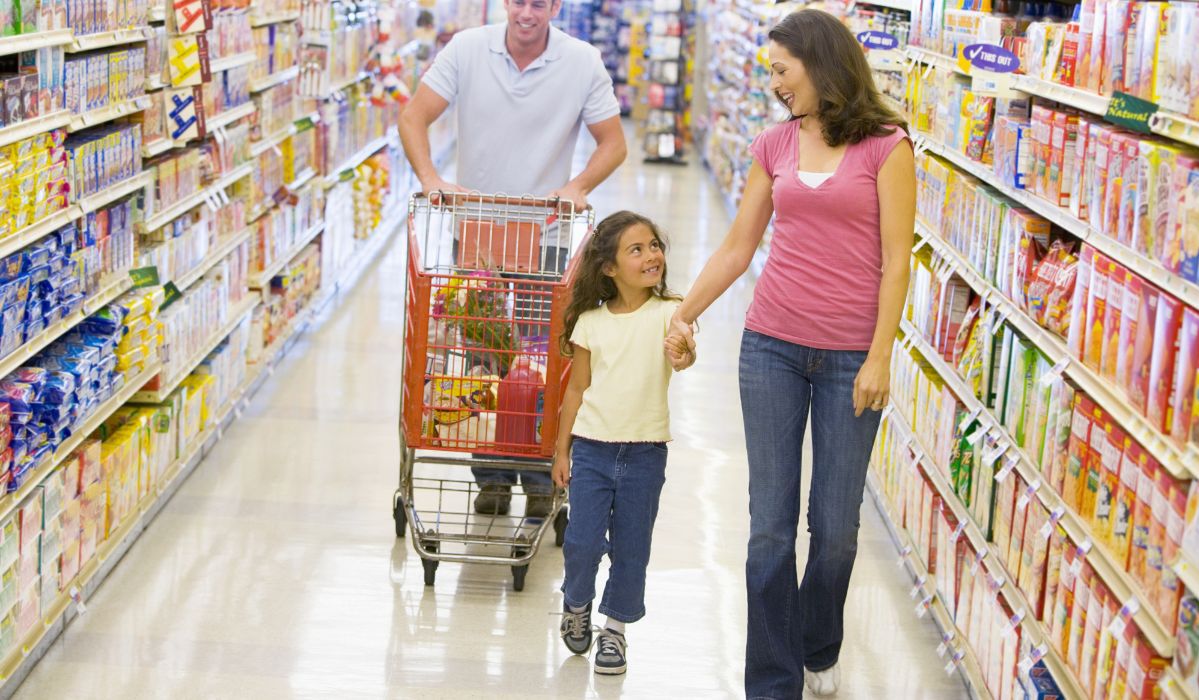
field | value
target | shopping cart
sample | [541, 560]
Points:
[487, 288]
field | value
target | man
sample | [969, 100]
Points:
[522, 89]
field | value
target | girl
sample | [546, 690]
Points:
[839, 179]
[612, 455]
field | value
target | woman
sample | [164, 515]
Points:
[839, 179]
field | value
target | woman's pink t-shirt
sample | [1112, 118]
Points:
[820, 284]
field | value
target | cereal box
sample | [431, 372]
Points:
[1180, 411]
[1188, 227]
[1125, 503]
[1076, 342]
[1134, 166]
[1129, 309]
[1097, 311]
[1161, 370]
[1079, 448]
[1142, 354]
[1110, 461]
[1093, 467]
[1112, 320]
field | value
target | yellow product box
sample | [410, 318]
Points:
[23, 218]
[13, 153]
[1154, 170]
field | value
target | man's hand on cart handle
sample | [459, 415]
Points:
[437, 184]
[571, 193]
[561, 471]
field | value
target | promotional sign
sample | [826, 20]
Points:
[878, 40]
[991, 57]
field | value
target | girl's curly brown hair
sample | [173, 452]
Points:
[591, 287]
[851, 109]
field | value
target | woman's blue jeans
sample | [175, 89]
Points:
[793, 625]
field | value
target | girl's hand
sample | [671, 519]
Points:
[561, 471]
[681, 329]
[872, 386]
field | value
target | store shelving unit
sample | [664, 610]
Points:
[34, 41]
[230, 116]
[234, 61]
[235, 316]
[257, 20]
[270, 81]
[105, 40]
[346, 169]
[1180, 461]
[222, 251]
[103, 115]
[262, 280]
[32, 127]
[98, 201]
[178, 209]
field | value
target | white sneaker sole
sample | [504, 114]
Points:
[611, 670]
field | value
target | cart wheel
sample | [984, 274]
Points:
[401, 518]
[560, 522]
[518, 576]
[430, 566]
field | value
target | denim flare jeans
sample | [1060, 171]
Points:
[614, 490]
[793, 625]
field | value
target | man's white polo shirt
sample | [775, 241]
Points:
[517, 130]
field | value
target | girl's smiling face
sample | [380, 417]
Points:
[640, 263]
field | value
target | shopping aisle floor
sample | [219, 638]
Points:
[274, 572]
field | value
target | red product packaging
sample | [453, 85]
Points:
[1145, 669]
[1155, 560]
[1109, 483]
[1165, 351]
[1126, 502]
[1169, 594]
[1181, 410]
[1142, 514]
[1142, 352]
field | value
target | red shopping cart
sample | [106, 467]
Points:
[486, 290]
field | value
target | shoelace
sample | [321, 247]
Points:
[573, 622]
[612, 643]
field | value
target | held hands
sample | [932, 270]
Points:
[561, 471]
[680, 344]
[872, 386]
[435, 184]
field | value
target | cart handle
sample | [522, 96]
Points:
[455, 198]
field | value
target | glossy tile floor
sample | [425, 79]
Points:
[275, 573]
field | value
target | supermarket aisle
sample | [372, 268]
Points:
[274, 572]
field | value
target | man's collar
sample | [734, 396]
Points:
[497, 41]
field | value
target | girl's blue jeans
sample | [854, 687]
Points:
[614, 490]
[794, 625]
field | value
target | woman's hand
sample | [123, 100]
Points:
[561, 471]
[680, 355]
[872, 386]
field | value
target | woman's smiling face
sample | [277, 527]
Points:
[790, 83]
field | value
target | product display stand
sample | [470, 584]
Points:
[184, 209]
[667, 86]
[1043, 425]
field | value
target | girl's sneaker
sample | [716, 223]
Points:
[576, 629]
[610, 659]
[824, 683]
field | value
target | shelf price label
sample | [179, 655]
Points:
[1130, 112]
[990, 57]
[878, 40]
[144, 277]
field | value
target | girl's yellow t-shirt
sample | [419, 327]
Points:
[630, 373]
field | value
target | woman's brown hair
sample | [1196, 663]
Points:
[850, 106]
[592, 286]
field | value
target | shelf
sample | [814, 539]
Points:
[1146, 268]
[34, 41]
[301, 180]
[178, 209]
[1180, 462]
[11, 501]
[104, 40]
[369, 247]
[103, 115]
[41, 341]
[932, 58]
[902, 5]
[270, 81]
[967, 665]
[230, 62]
[994, 562]
[345, 84]
[32, 127]
[229, 116]
[1187, 570]
[339, 173]
[156, 83]
[1175, 126]
[1069, 96]
[275, 18]
[158, 147]
[257, 148]
[107, 196]
[1121, 584]
[158, 13]
[262, 280]
[1172, 686]
[36, 232]
[168, 387]
[218, 254]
